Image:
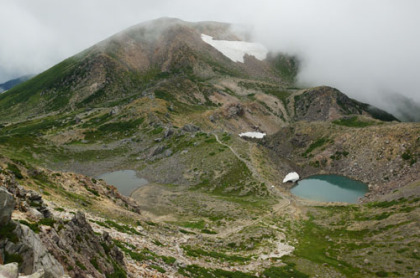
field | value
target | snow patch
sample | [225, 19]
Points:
[293, 177]
[236, 50]
[252, 134]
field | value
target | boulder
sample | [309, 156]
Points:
[158, 150]
[34, 254]
[34, 214]
[234, 110]
[168, 132]
[7, 205]
[190, 128]
[114, 111]
[9, 270]
[168, 152]
[76, 244]
[39, 274]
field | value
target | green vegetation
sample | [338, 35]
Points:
[338, 155]
[118, 272]
[115, 128]
[7, 232]
[29, 93]
[47, 222]
[353, 122]
[226, 137]
[196, 252]
[35, 226]
[119, 227]
[387, 204]
[408, 156]
[12, 258]
[143, 255]
[288, 270]
[80, 265]
[196, 271]
[318, 143]
[158, 268]
[15, 170]
[193, 224]
[314, 242]
[287, 66]
[269, 89]
[207, 231]
[94, 262]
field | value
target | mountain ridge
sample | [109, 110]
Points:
[171, 108]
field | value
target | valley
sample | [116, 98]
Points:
[156, 99]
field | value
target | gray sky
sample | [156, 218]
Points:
[365, 48]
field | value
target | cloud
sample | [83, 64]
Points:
[367, 49]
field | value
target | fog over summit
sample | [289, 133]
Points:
[367, 49]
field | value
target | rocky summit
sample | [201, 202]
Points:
[169, 99]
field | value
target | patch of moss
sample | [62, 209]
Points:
[15, 170]
[196, 252]
[318, 143]
[353, 122]
[288, 270]
[7, 232]
[12, 258]
[196, 271]
[158, 268]
[33, 226]
[80, 265]
[121, 228]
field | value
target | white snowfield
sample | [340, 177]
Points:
[236, 50]
[252, 134]
[293, 177]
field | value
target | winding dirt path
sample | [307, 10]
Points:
[284, 201]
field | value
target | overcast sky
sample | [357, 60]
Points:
[367, 49]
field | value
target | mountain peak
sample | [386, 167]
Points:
[131, 61]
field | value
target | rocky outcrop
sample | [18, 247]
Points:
[378, 155]
[234, 110]
[28, 201]
[7, 204]
[80, 250]
[21, 244]
[9, 270]
[190, 128]
[34, 256]
[325, 103]
[50, 247]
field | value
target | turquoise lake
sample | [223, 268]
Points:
[330, 188]
[126, 181]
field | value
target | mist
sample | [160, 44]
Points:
[369, 50]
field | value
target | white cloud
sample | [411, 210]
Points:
[364, 48]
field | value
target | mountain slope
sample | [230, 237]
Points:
[159, 100]
[125, 65]
[13, 82]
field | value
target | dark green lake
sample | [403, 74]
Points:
[126, 181]
[330, 188]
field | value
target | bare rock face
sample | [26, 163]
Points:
[325, 103]
[7, 205]
[81, 251]
[39, 274]
[234, 110]
[9, 270]
[33, 253]
[22, 242]
[190, 128]
[28, 201]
